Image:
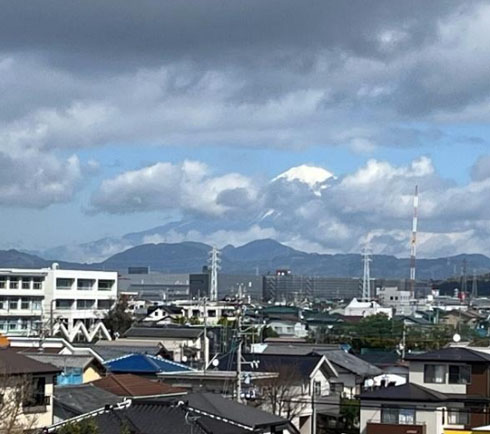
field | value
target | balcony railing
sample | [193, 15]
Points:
[36, 404]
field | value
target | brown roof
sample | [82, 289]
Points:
[133, 385]
[14, 363]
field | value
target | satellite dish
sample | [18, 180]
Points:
[456, 337]
[215, 363]
[184, 359]
[369, 383]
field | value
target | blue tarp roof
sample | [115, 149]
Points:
[144, 363]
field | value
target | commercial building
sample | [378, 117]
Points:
[283, 286]
[35, 300]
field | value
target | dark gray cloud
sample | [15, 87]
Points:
[162, 30]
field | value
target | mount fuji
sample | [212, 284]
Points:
[267, 219]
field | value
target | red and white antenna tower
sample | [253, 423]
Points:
[413, 241]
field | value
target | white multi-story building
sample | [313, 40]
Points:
[21, 299]
[30, 298]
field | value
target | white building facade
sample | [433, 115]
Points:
[35, 299]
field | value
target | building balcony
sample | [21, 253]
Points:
[387, 428]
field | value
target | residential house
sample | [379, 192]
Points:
[352, 371]
[75, 400]
[448, 390]
[26, 387]
[75, 369]
[302, 379]
[180, 342]
[208, 413]
[365, 308]
[143, 364]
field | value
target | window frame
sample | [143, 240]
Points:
[459, 411]
[393, 410]
[460, 379]
[432, 380]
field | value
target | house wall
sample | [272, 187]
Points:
[416, 375]
[430, 415]
[30, 419]
[430, 418]
[90, 374]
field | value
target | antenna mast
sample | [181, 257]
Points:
[366, 278]
[413, 241]
[474, 286]
[214, 259]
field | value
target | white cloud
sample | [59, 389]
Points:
[188, 187]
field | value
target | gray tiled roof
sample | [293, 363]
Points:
[165, 332]
[74, 400]
[14, 363]
[62, 361]
[453, 354]
[351, 363]
[227, 408]
[405, 392]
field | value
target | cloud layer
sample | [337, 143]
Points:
[279, 74]
[373, 205]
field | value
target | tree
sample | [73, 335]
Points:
[118, 319]
[16, 393]
[283, 395]
[87, 426]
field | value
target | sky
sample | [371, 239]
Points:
[121, 116]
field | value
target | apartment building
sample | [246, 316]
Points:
[31, 299]
[448, 392]
[21, 300]
[78, 296]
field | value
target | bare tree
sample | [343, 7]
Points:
[284, 395]
[16, 394]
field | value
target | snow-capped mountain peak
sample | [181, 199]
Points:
[310, 175]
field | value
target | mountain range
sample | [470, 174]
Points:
[260, 256]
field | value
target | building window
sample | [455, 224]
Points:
[64, 283]
[3, 304]
[36, 304]
[105, 304]
[317, 388]
[14, 283]
[394, 415]
[457, 417]
[63, 304]
[434, 374]
[85, 284]
[38, 393]
[3, 282]
[85, 304]
[459, 374]
[211, 313]
[12, 325]
[25, 304]
[13, 304]
[2, 325]
[37, 283]
[105, 285]
[26, 284]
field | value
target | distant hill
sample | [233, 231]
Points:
[260, 256]
[268, 255]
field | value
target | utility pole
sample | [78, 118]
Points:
[239, 355]
[474, 286]
[206, 340]
[413, 241]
